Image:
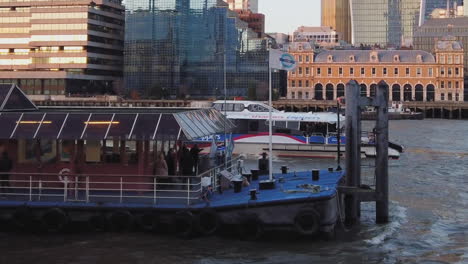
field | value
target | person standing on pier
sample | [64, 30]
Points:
[5, 167]
[195, 153]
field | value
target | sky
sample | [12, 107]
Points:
[285, 16]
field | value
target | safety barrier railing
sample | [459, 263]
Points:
[97, 188]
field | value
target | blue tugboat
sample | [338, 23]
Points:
[99, 166]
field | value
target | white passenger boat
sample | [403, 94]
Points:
[294, 134]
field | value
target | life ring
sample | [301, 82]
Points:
[61, 175]
[250, 227]
[148, 222]
[184, 224]
[120, 221]
[22, 218]
[307, 222]
[54, 220]
[208, 222]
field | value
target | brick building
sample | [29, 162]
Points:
[412, 75]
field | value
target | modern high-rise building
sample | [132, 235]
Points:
[336, 14]
[391, 22]
[245, 5]
[192, 48]
[62, 47]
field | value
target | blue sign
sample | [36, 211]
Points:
[288, 62]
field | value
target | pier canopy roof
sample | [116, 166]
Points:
[21, 119]
[86, 125]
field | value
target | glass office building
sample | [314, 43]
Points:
[188, 48]
[52, 47]
[431, 5]
[384, 22]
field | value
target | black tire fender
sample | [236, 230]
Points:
[250, 227]
[54, 220]
[184, 224]
[148, 221]
[120, 221]
[208, 222]
[307, 222]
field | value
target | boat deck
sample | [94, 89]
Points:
[291, 187]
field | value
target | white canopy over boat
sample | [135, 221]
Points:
[259, 111]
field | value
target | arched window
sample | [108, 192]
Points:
[340, 90]
[329, 92]
[419, 93]
[363, 90]
[407, 92]
[372, 89]
[396, 92]
[430, 93]
[318, 92]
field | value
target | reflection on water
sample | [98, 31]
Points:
[429, 213]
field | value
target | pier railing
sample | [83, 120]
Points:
[105, 188]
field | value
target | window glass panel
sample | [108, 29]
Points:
[28, 125]
[51, 126]
[145, 126]
[8, 123]
[97, 126]
[74, 126]
[121, 126]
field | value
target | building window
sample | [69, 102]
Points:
[449, 59]
[384, 70]
[449, 84]
[293, 95]
[395, 71]
[307, 83]
[457, 97]
[306, 95]
[442, 59]
[442, 84]
[300, 70]
[307, 58]
[363, 71]
[299, 95]
[329, 70]
[318, 71]
[457, 84]
[340, 71]
[299, 83]
[300, 58]
[293, 83]
[351, 71]
[418, 71]
[457, 59]
[449, 96]
[457, 71]
[373, 71]
[449, 71]
[442, 71]
[407, 71]
[430, 72]
[307, 69]
[442, 96]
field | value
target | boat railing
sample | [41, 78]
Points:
[87, 188]
[105, 188]
[234, 165]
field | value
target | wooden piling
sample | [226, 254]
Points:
[381, 161]
[353, 150]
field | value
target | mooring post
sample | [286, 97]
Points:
[353, 149]
[381, 161]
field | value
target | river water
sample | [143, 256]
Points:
[429, 219]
